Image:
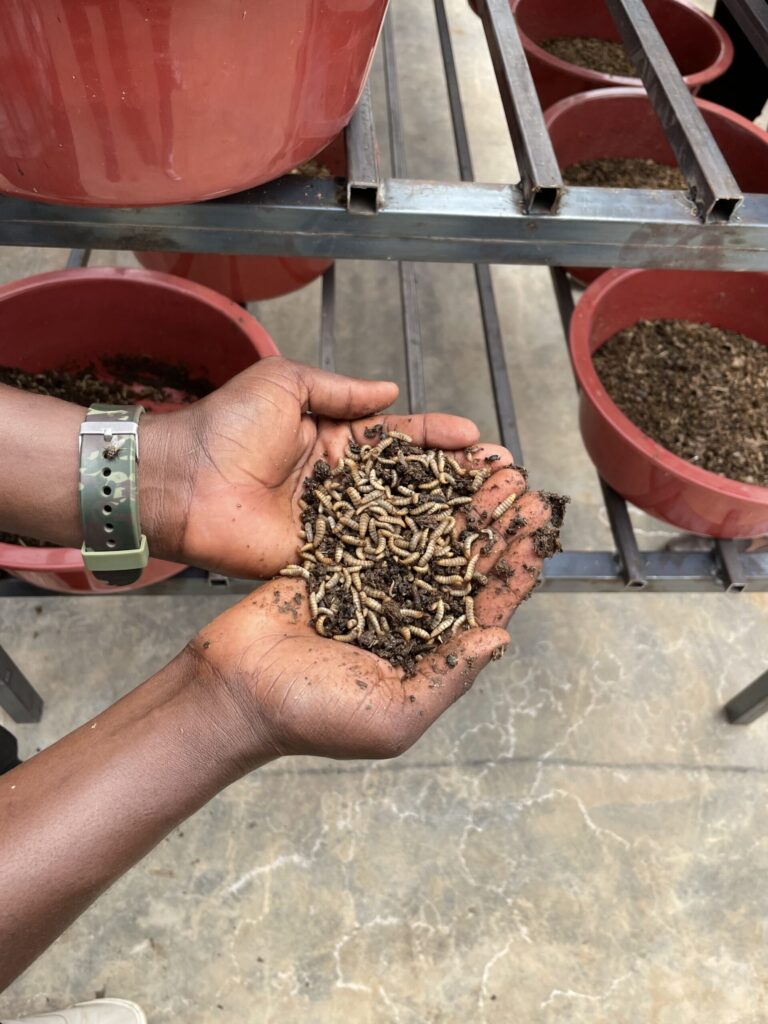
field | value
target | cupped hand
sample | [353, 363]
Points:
[297, 693]
[223, 477]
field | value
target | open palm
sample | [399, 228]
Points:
[308, 695]
[247, 449]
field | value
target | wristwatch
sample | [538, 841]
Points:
[114, 548]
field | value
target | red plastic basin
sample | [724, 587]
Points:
[638, 468]
[72, 318]
[127, 103]
[251, 278]
[701, 48]
[620, 123]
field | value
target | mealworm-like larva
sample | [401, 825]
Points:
[324, 498]
[383, 444]
[362, 527]
[439, 609]
[459, 501]
[411, 613]
[449, 581]
[400, 436]
[313, 605]
[416, 539]
[405, 633]
[469, 572]
[458, 623]
[374, 621]
[430, 550]
[422, 634]
[410, 559]
[423, 585]
[295, 570]
[469, 608]
[451, 563]
[347, 638]
[502, 507]
[445, 624]
[469, 540]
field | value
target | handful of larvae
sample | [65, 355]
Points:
[383, 565]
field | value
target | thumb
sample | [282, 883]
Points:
[343, 398]
[449, 673]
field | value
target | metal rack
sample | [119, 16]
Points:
[539, 221]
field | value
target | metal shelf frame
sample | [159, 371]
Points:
[538, 221]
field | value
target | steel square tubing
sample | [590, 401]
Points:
[414, 356]
[714, 188]
[363, 177]
[752, 18]
[494, 345]
[541, 180]
[451, 222]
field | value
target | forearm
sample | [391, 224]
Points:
[39, 467]
[39, 471]
[78, 815]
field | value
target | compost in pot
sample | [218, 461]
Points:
[624, 172]
[698, 390]
[603, 55]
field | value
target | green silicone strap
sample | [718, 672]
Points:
[114, 548]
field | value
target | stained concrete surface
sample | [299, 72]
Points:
[580, 839]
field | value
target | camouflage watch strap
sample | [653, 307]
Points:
[114, 548]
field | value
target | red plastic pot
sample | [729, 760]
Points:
[72, 318]
[701, 48]
[127, 103]
[250, 278]
[641, 470]
[620, 123]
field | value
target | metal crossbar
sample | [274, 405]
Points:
[538, 221]
[489, 218]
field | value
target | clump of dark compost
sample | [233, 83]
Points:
[384, 567]
[698, 390]
[624, 172]
[603, 55]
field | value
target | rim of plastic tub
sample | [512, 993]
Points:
[593, 389]
[713, 70]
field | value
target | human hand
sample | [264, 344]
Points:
[224, 475]
[297, 693]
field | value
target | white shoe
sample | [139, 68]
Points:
[96, 1011]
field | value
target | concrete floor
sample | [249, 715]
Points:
[578, 840]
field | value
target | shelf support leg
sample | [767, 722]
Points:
[750, 704]
[17, 695]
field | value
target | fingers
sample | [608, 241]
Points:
[343, 398]
[502, 485]
[492, 457]
[431, 430]
[516, 559]
[445, 676]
